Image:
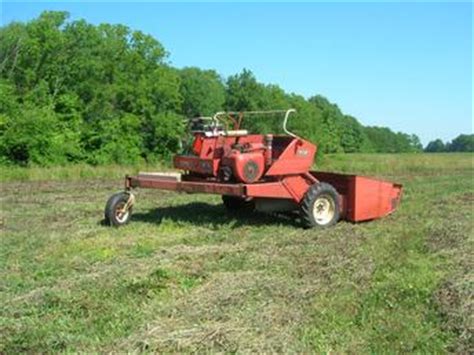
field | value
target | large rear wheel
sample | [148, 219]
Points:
[320, 206]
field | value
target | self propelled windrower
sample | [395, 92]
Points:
[263, 172]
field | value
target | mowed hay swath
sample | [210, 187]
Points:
[188, 276]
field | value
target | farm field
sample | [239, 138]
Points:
[186, 275]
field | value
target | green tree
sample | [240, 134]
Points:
[244, 93]
[353, 137]
[462, 143]
[203, 92]
[436, 146]
[91, 90]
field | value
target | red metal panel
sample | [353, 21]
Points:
[187, 186]
[208, 148]
[196, 164]
[291, 187]
[297, 158]
[296, 186]
[214, 147]
[373, 198]
[251, 138]
[212, 188]
[197, 144]
[152, 183]
[268, 189]
[341, 182]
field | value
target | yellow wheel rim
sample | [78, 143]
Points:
[324, 210]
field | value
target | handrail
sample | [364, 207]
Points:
[268, 112]
[287, 114]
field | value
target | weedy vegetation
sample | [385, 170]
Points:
[185, 275]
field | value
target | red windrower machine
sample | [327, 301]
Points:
[263, 172]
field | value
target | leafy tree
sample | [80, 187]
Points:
[36, 136]
[203, 92]
[91, 91]
[339, 132]
[244, 93]
[353, 137]
[162, 135]
[436, 146]
[415, 143]
[462, 143]
[385, 140]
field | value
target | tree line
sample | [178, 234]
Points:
[71, 91]
[462, 143]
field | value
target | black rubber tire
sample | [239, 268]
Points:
[114, 202]
[236, 203]
[320, 189]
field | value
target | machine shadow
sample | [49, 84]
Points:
[203, 214]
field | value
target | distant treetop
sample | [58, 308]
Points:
[462, 143]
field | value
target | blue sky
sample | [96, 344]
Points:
[407, 66]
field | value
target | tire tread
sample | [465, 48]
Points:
[109, 212]
[306, 207]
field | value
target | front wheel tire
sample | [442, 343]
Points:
[320, 206]
[118, 209]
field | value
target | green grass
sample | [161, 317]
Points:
[71, 172]
[185, 275]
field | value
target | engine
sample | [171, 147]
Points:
[243, 167]
[228, 155]
[245, 163]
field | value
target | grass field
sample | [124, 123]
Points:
[186, 275]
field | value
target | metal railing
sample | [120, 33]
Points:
[217, 117]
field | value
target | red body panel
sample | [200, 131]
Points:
[184, 186]
[296, 158]
[216, 147]
[291, 187]
[196, 164]
[268, 189]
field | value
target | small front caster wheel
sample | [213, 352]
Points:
[118, 209]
